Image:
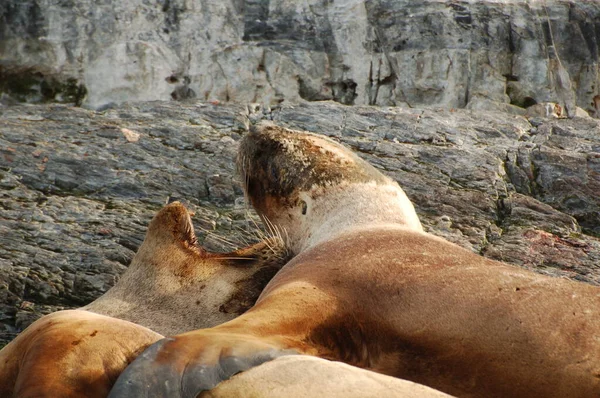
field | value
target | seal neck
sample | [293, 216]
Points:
[351, 207]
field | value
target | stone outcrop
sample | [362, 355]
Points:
[453, 54]
[78, 187]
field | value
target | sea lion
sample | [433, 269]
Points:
[174, 285]
[303, 376]
[73, 353]
[370, 288]
[171, 286]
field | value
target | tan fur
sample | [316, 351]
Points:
[174, 285]
[380, 294]
[596, 106]
[301, 376]
[171, 286]
[70, 354]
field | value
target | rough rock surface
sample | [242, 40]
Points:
[78, 187]
[446, 53]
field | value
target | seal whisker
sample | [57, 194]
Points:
[189, 286]
[274, 228]
[261, 234]
[286, 241]
[242, 238]
[242, 166]
[277, 233]
[265, 234]
[269, 224]
[245, 190]
[218, 237]
[270, 246]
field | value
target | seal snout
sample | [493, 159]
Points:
[278, 162]
[173, 222]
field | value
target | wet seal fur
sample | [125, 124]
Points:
[369, 288]
[171, 286]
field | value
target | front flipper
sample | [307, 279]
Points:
[186, 365]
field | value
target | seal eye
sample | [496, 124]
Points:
[304, 207]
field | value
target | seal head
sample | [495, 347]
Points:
[313, 188]
[369, 288]
[172, 285]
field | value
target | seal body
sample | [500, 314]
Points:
[369, 288]
[70, 353]
[171, 286]
[174, 285]
[302, 376]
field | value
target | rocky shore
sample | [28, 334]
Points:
[78, 187]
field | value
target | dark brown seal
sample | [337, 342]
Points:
[171, 286]
[369, 288]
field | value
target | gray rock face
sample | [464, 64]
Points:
[438, 53]
[78, 187]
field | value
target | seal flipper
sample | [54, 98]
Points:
[138, 377]
[199, 378]
[161, 371]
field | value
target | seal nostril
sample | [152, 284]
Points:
[304, 208]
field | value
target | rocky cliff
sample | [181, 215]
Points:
[447, 53]
[78, 187]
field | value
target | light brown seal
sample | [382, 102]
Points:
[174, 285]
[303, 376]
[369, 288]
[171, 286]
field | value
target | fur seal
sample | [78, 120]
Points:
[303, 376]
[171, 286]
[370, 288]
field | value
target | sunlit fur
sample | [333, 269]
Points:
[369, 288]
[332, 207]
[172, 285]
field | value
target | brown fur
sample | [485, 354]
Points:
[174, 285]
[171, 286]
[596, 106]
[373, 290]
[70, 354]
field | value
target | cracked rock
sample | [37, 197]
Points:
[75, 199]
[503, 55]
